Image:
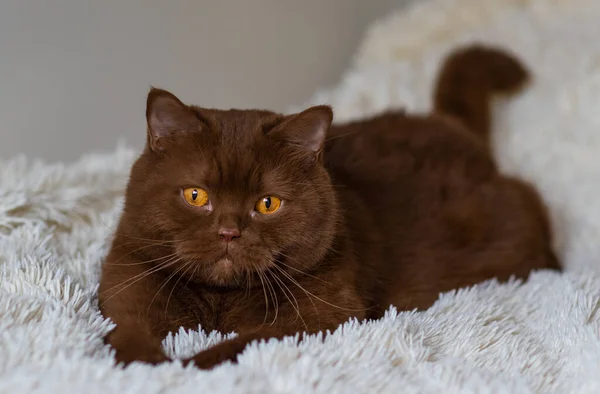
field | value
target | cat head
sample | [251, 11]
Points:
[232, 194]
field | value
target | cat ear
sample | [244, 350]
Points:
[306, 129]
[167, 116]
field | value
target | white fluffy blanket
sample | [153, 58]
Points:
[542, 336]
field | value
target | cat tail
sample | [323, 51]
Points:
[468, 79]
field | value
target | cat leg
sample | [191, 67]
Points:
[135, 302]
[230, 349]
[133, 340]
[308, 316]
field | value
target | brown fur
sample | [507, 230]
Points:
[388, 210]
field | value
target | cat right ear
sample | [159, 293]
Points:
[307, 129]
[167, 116]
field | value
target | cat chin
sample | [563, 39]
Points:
[222, 272]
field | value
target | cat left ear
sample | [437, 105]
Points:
[307, 129]
[166, 116]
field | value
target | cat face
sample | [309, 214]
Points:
[233, 193]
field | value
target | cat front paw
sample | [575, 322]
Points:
[216, 355]
[129, 355]
[129, 349]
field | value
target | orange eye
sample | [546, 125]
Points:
[195, 196]
[268, 205]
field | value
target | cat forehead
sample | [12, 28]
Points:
[234, 157]
[233, 151]
[245, 166]
[236, 122]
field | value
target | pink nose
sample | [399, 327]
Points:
[229, 234]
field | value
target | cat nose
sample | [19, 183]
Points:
[229, 233]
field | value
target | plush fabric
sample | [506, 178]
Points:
[541, 336]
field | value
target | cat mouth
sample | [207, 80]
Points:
[230, 267]
[226, 258]
[222, 271]
[224, 263]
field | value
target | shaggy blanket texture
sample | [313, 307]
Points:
[542, 336]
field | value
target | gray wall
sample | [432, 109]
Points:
[74, 73]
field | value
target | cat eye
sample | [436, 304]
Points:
[268, 205]
[195, 196]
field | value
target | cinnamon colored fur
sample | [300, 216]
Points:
[388, 210]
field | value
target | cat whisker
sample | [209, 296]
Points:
[193, 273]
[307, 296]
[137, 278]
[318, 298]
[115, 233]
[187, 266]
[149, 241]
[248, 275]
[171, 276]
[273, 294]
[145, 246]
[294, 303]
[156, 267]
[139, 262]
[279, 283]
[297, 270]
[260, 276]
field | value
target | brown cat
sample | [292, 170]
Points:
[269, 225]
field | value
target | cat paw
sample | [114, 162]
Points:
[214, 356]
[129, 354]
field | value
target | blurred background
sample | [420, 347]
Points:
[74, 73]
